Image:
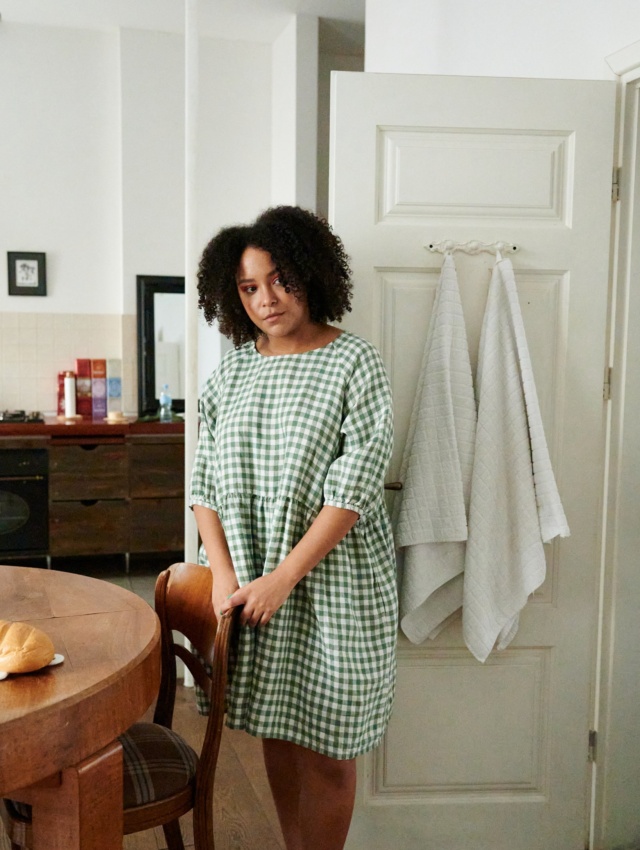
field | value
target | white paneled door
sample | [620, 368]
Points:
[493, 756]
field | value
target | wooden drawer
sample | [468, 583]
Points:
[88, 528]
[156, 525]
[156, 470]
[90, 471]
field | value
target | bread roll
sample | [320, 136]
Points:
[23, 648]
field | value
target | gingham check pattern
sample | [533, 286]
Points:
[279, 438]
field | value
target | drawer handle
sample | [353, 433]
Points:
[88, 502]
[4, 478]
[90, 447]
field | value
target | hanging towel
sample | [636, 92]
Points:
[515, 506]
[431, 511]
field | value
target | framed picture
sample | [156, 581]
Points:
[27, 273]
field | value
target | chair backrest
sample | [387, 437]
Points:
[183, 604]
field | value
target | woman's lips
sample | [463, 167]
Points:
[273, 317]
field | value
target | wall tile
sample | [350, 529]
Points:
[34, 347]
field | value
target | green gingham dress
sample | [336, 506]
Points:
[280, 437]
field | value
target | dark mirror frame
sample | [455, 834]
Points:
[147, 286]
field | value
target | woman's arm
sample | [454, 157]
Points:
[262, 598]
[215, 545]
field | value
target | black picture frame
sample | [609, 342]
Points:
[147, 286]
[27, 273]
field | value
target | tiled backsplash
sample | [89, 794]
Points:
[34, 347]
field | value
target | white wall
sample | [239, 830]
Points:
[234, 125]
[234, 151]
[59, 165]
[294, 113]
[568, 39]
[92, 173]
[152, 145]
[234, 148]
[233, 156]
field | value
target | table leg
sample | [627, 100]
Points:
[85, 810]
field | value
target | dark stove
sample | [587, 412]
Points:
[24, 511]
[12, 416]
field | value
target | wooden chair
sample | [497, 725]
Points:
[163, 777]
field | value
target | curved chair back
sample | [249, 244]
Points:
[183, 604]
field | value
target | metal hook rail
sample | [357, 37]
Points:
[473, 246]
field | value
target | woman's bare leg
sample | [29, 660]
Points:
[281, 762]
[314, 795]
[327, 795]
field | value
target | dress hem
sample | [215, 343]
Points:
[323, 751]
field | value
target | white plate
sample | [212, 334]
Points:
[57, 659]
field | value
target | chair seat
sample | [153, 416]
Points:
[157, 763]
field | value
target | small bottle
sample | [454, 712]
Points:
[165, 404]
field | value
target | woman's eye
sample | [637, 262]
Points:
[249, 290]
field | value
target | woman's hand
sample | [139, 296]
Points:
[261, 598]
[225, 584]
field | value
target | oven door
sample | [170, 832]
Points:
[24, 510]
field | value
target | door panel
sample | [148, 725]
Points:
[487, 756]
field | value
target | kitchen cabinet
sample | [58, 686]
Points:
[156, 491]
[90, 470]
[111, 489]
[88, 527]
[121, 496]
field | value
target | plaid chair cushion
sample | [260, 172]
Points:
[157, 764]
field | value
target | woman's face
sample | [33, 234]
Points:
[276, 312]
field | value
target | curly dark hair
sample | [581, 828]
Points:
[308, 255]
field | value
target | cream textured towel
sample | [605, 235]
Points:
[515, 506]
[431, 511]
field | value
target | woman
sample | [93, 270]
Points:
[287, 490]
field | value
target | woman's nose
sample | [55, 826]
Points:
[269, 296]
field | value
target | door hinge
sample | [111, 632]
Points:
[593, 745]
[606, 390]
[615, 185]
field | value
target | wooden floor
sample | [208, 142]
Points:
[244, 814]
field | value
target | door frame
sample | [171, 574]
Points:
[618, 570]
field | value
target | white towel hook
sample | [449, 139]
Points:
[446, 246]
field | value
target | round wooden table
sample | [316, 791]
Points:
[59, 726]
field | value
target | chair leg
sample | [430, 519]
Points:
[173, 835]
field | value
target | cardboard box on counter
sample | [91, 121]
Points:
[83, 387]
[114, 385]
[99, 388]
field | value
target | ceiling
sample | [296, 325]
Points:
[250, 20]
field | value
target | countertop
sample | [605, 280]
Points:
[52, 427]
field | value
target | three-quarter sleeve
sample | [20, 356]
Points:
[355, 480]
[203, 475]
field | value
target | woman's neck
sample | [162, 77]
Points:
[313, 336]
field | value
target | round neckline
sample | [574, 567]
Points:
[296, 353]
